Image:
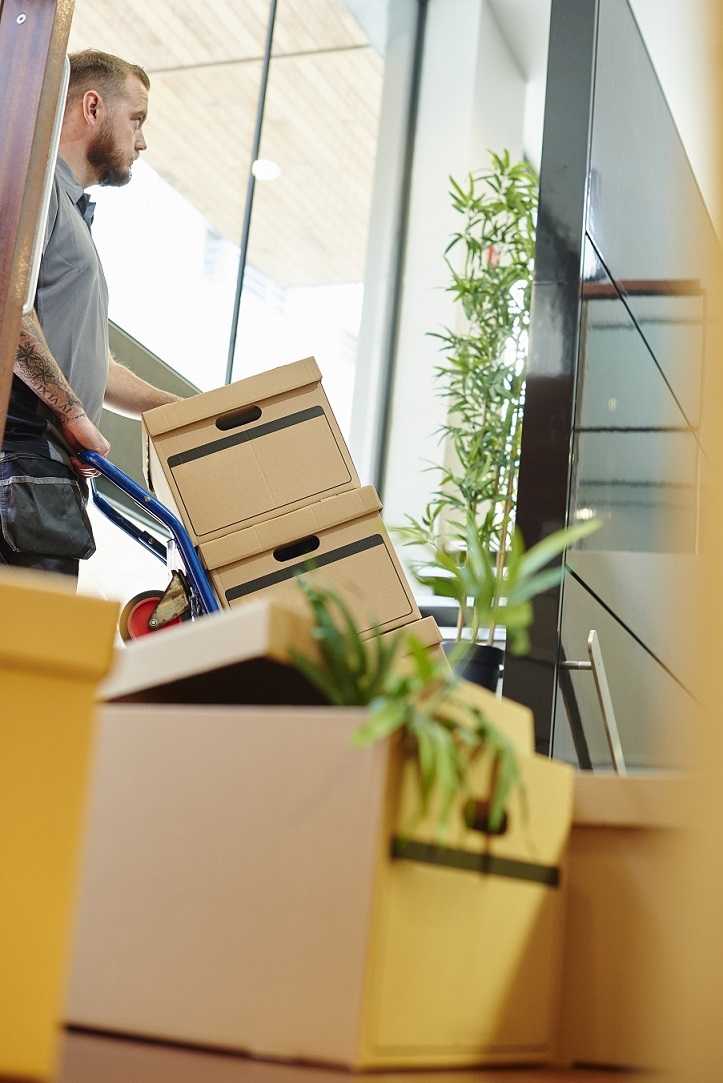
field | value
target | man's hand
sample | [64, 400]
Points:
[81, 433]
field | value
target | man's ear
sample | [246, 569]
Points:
[92, 107]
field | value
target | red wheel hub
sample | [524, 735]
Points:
[138, 612]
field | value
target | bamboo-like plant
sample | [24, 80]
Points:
[482, 375]
[419, 701]
[422, 699]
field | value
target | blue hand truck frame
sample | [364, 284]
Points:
[202, 599]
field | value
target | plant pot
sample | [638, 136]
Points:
[481, 666]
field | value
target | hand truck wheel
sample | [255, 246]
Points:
[136, 613]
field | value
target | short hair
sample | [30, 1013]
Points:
[94, 70]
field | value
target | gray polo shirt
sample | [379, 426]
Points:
[72, 306]
[72, 297]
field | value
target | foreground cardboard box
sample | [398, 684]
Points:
[339, 543]
[248, 452]
[619, 966]
[256, 882]
[54, 648]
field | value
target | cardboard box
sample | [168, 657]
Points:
[54, 648]
[618, 1008]
[248, 452]
[339, 543]
[256, 882]
[236, 656]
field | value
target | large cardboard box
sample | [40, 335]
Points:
[54, 648]
[339, 543]
[623, 902]
[250, 451]
[256, 882]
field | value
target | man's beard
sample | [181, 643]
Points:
[110, 164]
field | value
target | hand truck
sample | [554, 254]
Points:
[189, 595]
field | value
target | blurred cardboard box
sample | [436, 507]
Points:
[247, 452]
[54, 648]
[256, 882]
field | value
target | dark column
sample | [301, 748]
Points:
[554, 337]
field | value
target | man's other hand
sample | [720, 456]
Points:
[81, 433]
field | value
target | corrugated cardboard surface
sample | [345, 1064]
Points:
[212, 404]
[62, 644]
[625, 848]
[355, 558]
[228, 878]
[292, 527]
[465, 968]
[238, 892]
[42, 623]
[222, 479]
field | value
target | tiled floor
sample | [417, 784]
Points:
[94, 1059]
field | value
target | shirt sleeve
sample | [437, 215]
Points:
[52, 214]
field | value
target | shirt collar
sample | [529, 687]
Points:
[68, 180]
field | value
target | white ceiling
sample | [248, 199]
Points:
[320, 125]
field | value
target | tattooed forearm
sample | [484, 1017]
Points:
[36, 367]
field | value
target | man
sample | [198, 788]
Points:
[64, 371]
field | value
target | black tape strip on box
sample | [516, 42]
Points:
[268, 427]
[303, 566]
[486, 864]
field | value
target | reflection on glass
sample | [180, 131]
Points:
[636, 463]
[303, 288]
[651, 706]
[646, 214]
[169, 240]
[636, 454]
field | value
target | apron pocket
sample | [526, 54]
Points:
[42, 508]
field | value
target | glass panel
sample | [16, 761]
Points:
[169, 241]
[636, 463]
[303, 287]
[650, 706]
[645, 211]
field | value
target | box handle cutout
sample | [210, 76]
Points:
[476, 816]
[297, 548]
[242, 417]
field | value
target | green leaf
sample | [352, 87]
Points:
[554, 544]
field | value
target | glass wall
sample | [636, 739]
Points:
[169, 240]
[172, 240]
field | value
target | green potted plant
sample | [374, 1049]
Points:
[444, 733]
[482, 378]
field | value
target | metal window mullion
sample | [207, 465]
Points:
[250, 189]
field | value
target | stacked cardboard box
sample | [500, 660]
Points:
[262, 478]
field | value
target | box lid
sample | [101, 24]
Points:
[47, 627]
[209, 646]
[253, 389]
[425, 631]
[323, 515]
[653, 799]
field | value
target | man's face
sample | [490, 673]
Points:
[120, 138]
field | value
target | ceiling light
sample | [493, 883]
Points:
[265, 170]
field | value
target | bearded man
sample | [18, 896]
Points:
[64, 371]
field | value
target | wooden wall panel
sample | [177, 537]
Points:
[33, 39]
